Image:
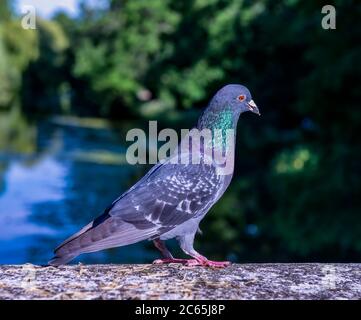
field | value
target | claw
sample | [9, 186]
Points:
[194, 262]
[218, 264]
[208, 263]
[170, 260]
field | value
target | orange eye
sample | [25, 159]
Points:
[241, 97]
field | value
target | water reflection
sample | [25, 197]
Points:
[55, 176]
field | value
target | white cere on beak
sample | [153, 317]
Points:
[252, 104]
[253, 107]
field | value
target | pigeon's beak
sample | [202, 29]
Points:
[253, 107]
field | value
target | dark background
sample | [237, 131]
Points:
[71, 89]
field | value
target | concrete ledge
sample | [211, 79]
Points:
[239, 281]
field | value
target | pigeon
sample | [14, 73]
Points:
[171, 199]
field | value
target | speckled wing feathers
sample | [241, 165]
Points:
[172, 195]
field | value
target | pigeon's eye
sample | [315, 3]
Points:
[241, 97]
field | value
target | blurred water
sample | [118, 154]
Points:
[55, 176]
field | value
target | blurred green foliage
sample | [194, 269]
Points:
[296, 193]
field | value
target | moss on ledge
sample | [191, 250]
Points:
[239, 281]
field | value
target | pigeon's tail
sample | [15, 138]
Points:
[58, 261]
[102, 233]
[70, 248]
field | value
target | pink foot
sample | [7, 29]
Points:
[218, 264]
[208, 263]
[194, 262]
[170, 260]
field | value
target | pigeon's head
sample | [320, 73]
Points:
[237, 97]
[226, 106]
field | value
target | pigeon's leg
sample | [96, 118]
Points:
[168, 258]
[186, 244]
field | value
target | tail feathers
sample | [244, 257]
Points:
[62, 253]
[94, 237]
[74, 236]
[60, 260]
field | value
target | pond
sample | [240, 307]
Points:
[56, 175]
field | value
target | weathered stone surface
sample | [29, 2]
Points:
[239, 281]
